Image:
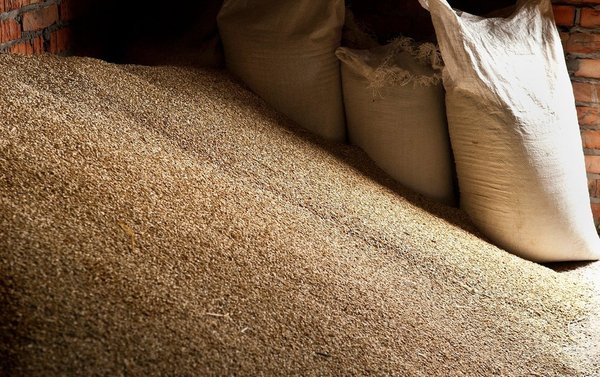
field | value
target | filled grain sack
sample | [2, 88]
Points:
[514, 131]
[394, 104]
[284, 50]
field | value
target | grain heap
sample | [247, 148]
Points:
[165, 221]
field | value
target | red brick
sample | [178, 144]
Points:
[588, 116]
[8, 5]
[591, 139]
[588, 68]
[10, 30]
[66, 10]
[586, 92]
[590, 18]
[583, 43]
[592, 164]
[16, 4]
[30, 47]
[60, 41]
[40, 18]
[564, 15]
[594, 188]
[596, 212]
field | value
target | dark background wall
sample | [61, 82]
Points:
[157, 31]
[130, 27]
[390, 18]
[143, 31]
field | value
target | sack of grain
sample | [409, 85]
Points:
[514, 131]
[284, 50]
[394, 104]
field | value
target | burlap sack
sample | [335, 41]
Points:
[394, 104]
[284, 51]
[514, 131]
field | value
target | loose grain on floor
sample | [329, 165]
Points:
[165, 221]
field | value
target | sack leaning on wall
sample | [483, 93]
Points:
[394, 104]
[284, 51]
[514, 131]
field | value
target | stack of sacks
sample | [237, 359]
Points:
[394, 104]
[514, 131]
[284, 50]
[510, 110]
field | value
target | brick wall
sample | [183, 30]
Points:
[35, 26]
[579, 24]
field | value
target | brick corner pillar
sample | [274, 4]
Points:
[579, 25]
[30, 27]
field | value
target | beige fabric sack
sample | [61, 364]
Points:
[514, 131]
[394, 104]
[284, 50]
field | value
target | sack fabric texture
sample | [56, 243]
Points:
[284, 50]
[514, 131]
[394, 103]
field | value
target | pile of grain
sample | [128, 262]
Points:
[164, 221]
